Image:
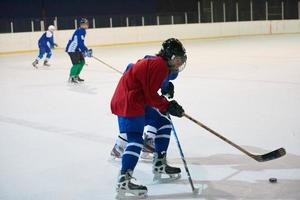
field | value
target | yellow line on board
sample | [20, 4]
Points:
[154, 42]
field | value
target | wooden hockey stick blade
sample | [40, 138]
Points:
[270, 156]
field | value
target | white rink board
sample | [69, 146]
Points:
[11, 42]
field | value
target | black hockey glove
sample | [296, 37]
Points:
[175, 109]
[169, 91]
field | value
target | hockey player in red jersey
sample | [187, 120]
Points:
[138, 88]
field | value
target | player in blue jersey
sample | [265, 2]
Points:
[77, 51]
[46, 43]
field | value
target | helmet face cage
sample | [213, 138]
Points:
[84, 21]
[181, 59]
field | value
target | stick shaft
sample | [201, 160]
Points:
[182, 157]
[108, 65]
[218, 135]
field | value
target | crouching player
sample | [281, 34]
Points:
[137, 89]
[77, 51]
[155, 124]
[46, 43]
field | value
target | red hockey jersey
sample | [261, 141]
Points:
[138, 88]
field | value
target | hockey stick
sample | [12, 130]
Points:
[260, 158]
[107, 65]
[195, 190]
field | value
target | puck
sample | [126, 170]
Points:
[273, 180]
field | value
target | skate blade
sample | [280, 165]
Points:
[115, 154]
[131, 195]
[146, 156]
[172, 177]
[72, 83]
[115, 158]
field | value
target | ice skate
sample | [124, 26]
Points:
[148, 149]
[35, 63]
[79, 79]
[46, 63]
[117, 152]
[162, 171]
[128, 190]
[73, 80]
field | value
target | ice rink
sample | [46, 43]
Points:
[55, 138]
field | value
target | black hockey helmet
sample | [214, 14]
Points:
[172, 49]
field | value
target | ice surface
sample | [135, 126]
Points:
[55, 139]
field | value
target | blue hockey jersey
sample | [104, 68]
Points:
[47, 40]
[76, 43]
